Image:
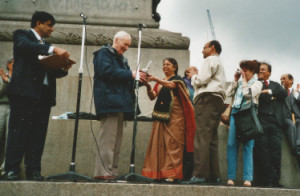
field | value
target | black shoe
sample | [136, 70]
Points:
[277, 185]
[11, 175]
[196, 180]
[215, 181]
[35, 176]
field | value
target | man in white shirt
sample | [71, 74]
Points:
[209, 99]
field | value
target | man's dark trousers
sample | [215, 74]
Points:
[268, 150]
[27, 132]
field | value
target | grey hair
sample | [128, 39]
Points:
[121, 34]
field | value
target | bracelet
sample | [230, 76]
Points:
[151, 91]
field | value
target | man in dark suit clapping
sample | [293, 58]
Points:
[291, 113]
[268, 147]
[31, 93]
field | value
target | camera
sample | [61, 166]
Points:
[238, 72]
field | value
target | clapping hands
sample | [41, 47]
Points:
[4, 76]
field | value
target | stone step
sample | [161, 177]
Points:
[27, 188]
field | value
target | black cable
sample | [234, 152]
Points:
[91, 105]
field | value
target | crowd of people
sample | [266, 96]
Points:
[183, 146]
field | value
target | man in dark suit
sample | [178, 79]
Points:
[291, 113]
[31, 92]
[268, 147]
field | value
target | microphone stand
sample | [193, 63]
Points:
[132, 176]
[72, 175]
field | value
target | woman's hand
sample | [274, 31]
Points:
[150, 92]
[243, 74]
[150, 78]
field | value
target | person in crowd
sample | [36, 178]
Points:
[173, 125]
[188, 156]
[188, 80]
[31, 92]
[291, 114]
[241, 90]
[4, 105]
[267, 149]
[114, 102]
[209, 85]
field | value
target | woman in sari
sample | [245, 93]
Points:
[173, 125]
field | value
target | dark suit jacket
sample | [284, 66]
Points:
[28, 75]
[272, 104]
[290, 106]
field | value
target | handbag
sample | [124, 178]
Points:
[246, 123]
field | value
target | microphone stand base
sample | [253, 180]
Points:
[69, 176]
[133, 177]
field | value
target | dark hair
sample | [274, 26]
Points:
[267, 64]
[42, 17]
[174, 63]
[291, 77]
[250, 65]
[217, 46]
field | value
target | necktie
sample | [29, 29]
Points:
[289, 92]
[266, 82]
[46, 82]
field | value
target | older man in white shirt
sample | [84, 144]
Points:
[209, 104]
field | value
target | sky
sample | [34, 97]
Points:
[265, 30]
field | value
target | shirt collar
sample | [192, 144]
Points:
[38, 37]
[253, 79]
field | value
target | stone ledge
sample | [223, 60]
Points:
[26, 188]
[99, 35]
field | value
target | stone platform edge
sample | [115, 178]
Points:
[27, 188]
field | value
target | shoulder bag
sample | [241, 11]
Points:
[246, 122]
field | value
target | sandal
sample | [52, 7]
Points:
[169, 180]
[247, 183]
[230, 183]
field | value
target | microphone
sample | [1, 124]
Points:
[82, 15]
[146, 69]
[141, 25]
